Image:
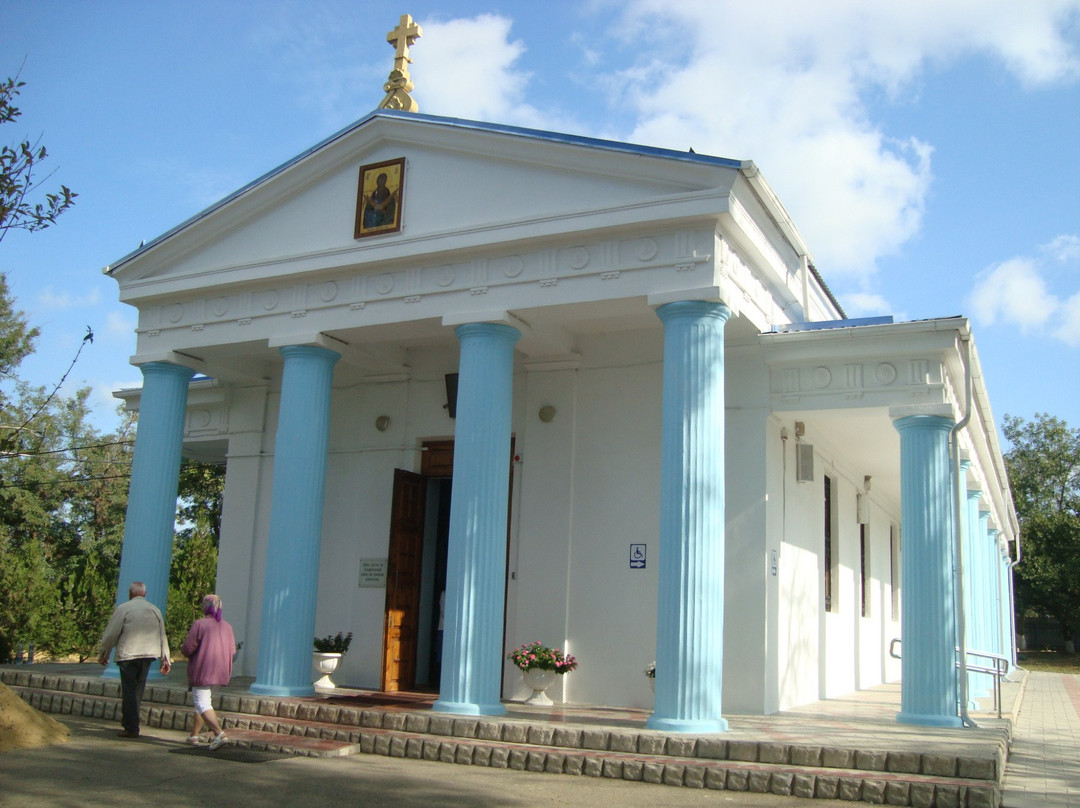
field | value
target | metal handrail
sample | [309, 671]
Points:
[999, 667]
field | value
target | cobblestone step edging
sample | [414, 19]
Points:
[311, 727]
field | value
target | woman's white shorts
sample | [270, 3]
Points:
[202, 699]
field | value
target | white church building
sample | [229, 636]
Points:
[477, 385]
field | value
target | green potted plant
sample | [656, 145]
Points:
[539, 665]
[327, 656]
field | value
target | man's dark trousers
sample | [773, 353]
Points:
[132, 684]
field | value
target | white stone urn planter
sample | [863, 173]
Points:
[326, 664]
[539, 680]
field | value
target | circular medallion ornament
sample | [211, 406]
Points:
[444, 276]
[384, 284]
[328, 291]
[577, 258]
[199, 419]
[176, 313]
[219, 305]
[514, 266]
[270, 300]
[647, 249]
[822, 377]
[885, 373]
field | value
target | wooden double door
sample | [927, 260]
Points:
[416, 570]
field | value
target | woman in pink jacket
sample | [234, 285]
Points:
[209, 647]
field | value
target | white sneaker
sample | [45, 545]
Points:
[219, 739]
[194, 740]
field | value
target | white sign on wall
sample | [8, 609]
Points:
[373, 572]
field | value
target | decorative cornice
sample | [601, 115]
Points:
[685, 257]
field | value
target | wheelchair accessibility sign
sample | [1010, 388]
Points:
[637, 556]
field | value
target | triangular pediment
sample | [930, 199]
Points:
[466, 187]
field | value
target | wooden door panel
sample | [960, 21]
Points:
[403, 572]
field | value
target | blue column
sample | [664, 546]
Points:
[975, 591]
[155, 473]
[690, 598]
[1009, 610]
[986, 603]
[476, 562]
[928, 691]
[994, 596]
[296, 508]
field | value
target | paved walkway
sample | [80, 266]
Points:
[1044, 763]
[1043, 766]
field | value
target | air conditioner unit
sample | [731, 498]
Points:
[804, 463]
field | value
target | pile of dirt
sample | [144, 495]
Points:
[23, 727]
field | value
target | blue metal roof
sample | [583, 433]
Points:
[456, 123]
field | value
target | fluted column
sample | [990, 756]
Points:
[994, 598]
[690, 599]
[296, 508]
[985, 600]
[928, 692]
[155, 474]
[476, 562]
[975, 591]
[1008, 615]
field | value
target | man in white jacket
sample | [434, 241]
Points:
[137, 632]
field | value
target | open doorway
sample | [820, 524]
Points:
[416, 570]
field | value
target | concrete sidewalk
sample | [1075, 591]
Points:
[1043, 770]
[1041, 713]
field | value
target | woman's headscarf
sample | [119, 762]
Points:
[211, 606]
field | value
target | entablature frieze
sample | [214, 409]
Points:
[866, 382]
[524, 278]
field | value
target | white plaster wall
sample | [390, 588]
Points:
[841, 624]
[586, 488]
[611, 607]
[356, 519]
[540, 551]
[245, 467]
[800, 613]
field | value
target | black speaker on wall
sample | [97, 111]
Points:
[451, 394]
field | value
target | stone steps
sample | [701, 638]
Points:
[312, 726]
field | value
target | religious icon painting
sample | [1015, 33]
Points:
[379, 198]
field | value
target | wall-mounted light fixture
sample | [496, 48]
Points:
[451, 394]
[382, 423]
[547, 414]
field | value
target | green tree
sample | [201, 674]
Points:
[195, 549]
[1044, 472]
[63, 492]
[19, 165]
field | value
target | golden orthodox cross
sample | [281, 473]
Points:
[406, 33]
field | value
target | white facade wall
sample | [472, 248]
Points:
[585, 488]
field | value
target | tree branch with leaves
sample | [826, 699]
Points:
[19, 167]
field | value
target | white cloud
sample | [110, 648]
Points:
[1064, 249]
[786, 86]
[1013, 292]
[49, 299]
[461, 77]
[865, 304]
[1032, 293]
[1068, 330]
[120, 327]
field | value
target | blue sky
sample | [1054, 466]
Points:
[927, 151]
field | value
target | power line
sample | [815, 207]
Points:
[69, 481]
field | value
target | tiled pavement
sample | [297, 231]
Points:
[1041, 712]
[1044, 763]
